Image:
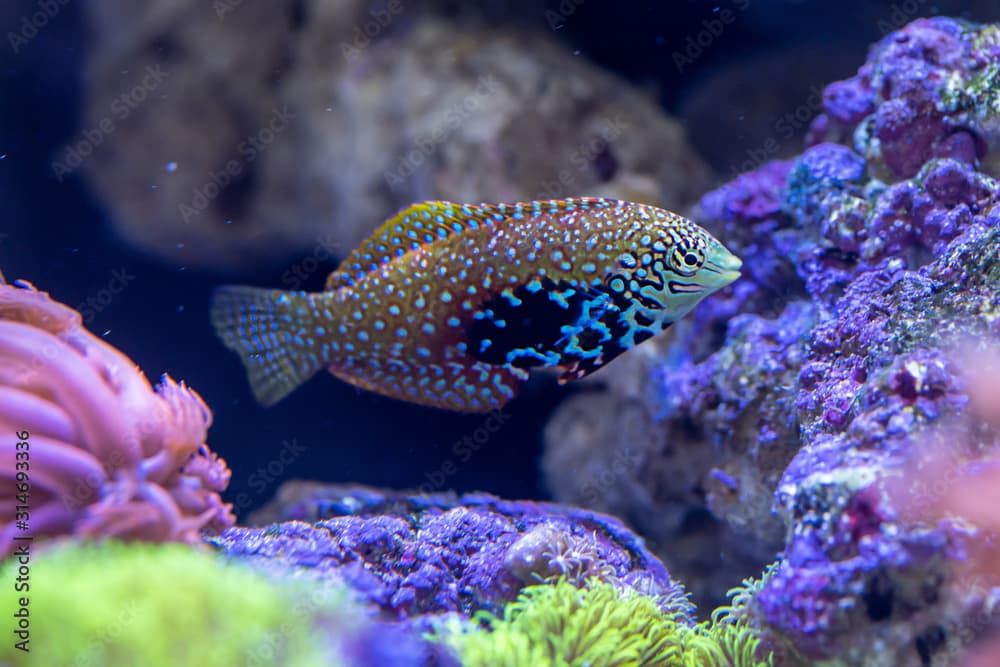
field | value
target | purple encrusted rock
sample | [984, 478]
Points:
[878, 374]
[848, 102]
[385, 644]
[748, 199]
[830, 365]
[927, 90]
[410, 556]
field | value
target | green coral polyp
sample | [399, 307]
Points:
[560, 625]
[162, 605]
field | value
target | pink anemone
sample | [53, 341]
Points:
[108, 455]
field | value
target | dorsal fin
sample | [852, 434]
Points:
[428, 222]
[412, 228]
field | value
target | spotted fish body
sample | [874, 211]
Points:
[452, 305]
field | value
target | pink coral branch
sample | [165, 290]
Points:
[24, 411]
[110, 455]
[65, 470]
[132, 519]
[51, 368]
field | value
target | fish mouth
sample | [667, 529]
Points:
[723, 272]
[727, 277]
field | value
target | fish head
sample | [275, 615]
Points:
[718, 266]
[675, 264]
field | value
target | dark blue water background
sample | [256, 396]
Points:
[59, 236]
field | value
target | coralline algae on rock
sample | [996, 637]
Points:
[928, 90]
[866, 266]
[416, 555]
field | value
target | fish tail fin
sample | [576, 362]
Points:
[278, 335]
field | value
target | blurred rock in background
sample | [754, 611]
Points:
[274, 127]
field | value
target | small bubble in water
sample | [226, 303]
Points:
[180, 245]
[180, 309]
[171, 167]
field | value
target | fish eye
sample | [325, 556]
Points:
[686, 261]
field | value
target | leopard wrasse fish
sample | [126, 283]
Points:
[451, 305]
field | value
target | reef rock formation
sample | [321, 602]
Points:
[99, 452]
[417, 555]
[786, 402]
[309, 128]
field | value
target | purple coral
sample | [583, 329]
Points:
[876, 373]
[901, 109]
[416, 555]
[109, 456]
[867, 259]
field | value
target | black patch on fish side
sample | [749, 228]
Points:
[642, 335]
[642, 320]
[577, 366]
[590, 339]
[535, 325]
